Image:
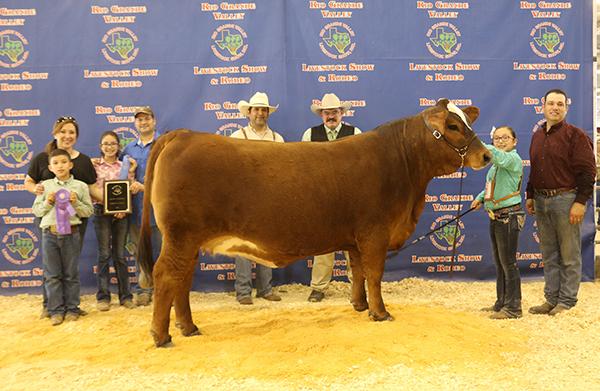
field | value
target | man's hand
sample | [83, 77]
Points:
[136, 187]
[577, 212]
[476, 204]
[529, 206]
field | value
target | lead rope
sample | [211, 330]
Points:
[458, 215]
[457, 219]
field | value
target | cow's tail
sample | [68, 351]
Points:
[145, 259]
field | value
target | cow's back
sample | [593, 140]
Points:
[267, 192]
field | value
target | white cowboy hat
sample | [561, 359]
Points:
[260, 99]
[330, 101]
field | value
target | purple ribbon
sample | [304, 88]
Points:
[64, 211]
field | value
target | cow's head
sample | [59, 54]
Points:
[451, 127]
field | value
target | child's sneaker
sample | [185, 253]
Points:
[103, 306]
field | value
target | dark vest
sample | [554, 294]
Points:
[318, 132]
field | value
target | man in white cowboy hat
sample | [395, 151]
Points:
[331, 110]
[258, 111]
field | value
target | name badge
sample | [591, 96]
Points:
[488, 191]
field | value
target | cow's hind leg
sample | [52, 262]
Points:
[372, 252]
[169, 278]
[359, 294]
[183, 311]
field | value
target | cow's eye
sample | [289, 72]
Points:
[452, 127]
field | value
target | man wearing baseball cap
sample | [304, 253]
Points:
[258, 110]
[331, 110]
[139, 150]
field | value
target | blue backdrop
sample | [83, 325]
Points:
[192, 61]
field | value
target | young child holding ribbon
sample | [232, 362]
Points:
[502, 201]
[64, 201]
[111, 229]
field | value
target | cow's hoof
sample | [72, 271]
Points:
[380, 318]
[194, 331]
[360, 307]
[161, 342]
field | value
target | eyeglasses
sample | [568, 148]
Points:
[331, 112]
[63, 119]
[503, 138]
[109, 144]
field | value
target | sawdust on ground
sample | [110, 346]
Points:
[439, 340]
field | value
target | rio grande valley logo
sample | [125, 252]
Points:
[20, 246]
[119, 46]
[337, 40]
[546, 40]
[443, 239]
[126, 135]
[229, 42]
[443, 40]
[13, 49]
[228, 128]
[15, 149]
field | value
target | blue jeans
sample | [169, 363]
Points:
[111, 233]
[156, 238]
[82, 228]
[504, 234]
[243, 278]
[60, 255]
[560, 242]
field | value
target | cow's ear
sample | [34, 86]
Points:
[472, 112]
[436, 120]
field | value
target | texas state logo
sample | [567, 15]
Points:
[126, 135]
[546, 40]
[13, 49]
[443, 239]
[228, 128]
[229, 42]
[337, 40]
[15, 149]
[20, 246]
[120, 46]
[443, 40]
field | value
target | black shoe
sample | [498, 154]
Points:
[316, 296]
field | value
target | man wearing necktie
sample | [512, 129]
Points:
[331, 110]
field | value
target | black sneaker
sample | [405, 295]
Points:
[316, 296]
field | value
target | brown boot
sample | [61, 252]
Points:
[541, 309]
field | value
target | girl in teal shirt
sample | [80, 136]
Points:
[501, 199]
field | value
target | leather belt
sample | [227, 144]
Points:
[553, 192]
[54, 231]
[502, 213]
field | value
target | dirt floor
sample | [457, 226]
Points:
[439, 340]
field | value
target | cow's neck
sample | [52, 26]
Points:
[414, 157]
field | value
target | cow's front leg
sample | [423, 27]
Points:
[183, 311]
[373, 259]
[359, 294]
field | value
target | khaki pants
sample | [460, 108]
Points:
[322, 270]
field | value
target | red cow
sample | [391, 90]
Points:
[276, 203]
